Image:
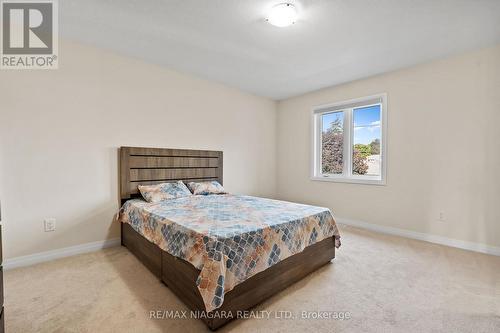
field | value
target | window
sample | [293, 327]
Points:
[349, 141]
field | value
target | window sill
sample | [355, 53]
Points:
[379, 182]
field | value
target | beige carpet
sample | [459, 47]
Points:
[385, 283]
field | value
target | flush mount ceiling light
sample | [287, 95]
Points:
[282, 15]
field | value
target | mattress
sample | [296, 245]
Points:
[229, 238]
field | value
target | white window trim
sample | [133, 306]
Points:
[316, 126]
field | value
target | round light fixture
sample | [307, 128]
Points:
[282, 15]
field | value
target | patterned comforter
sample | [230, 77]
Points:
[229, 237]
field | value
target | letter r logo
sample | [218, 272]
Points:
[27, 27]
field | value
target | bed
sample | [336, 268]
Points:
[220, 254]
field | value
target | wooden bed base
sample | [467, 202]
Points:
[158, 165]
[180, 276]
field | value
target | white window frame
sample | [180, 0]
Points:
[347, 107]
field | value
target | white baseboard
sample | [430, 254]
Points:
[59, 253]
[95, 246]
[465, 245]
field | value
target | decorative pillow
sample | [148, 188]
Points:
[164, 191]
[205, 188]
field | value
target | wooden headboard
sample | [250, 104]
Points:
[145, 166]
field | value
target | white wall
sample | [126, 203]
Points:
[443, 150]
[60, 130]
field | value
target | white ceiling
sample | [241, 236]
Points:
[335, 41]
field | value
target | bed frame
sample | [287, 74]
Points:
[156, 165]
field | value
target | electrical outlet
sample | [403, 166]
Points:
[49, 224]
[441, 217]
